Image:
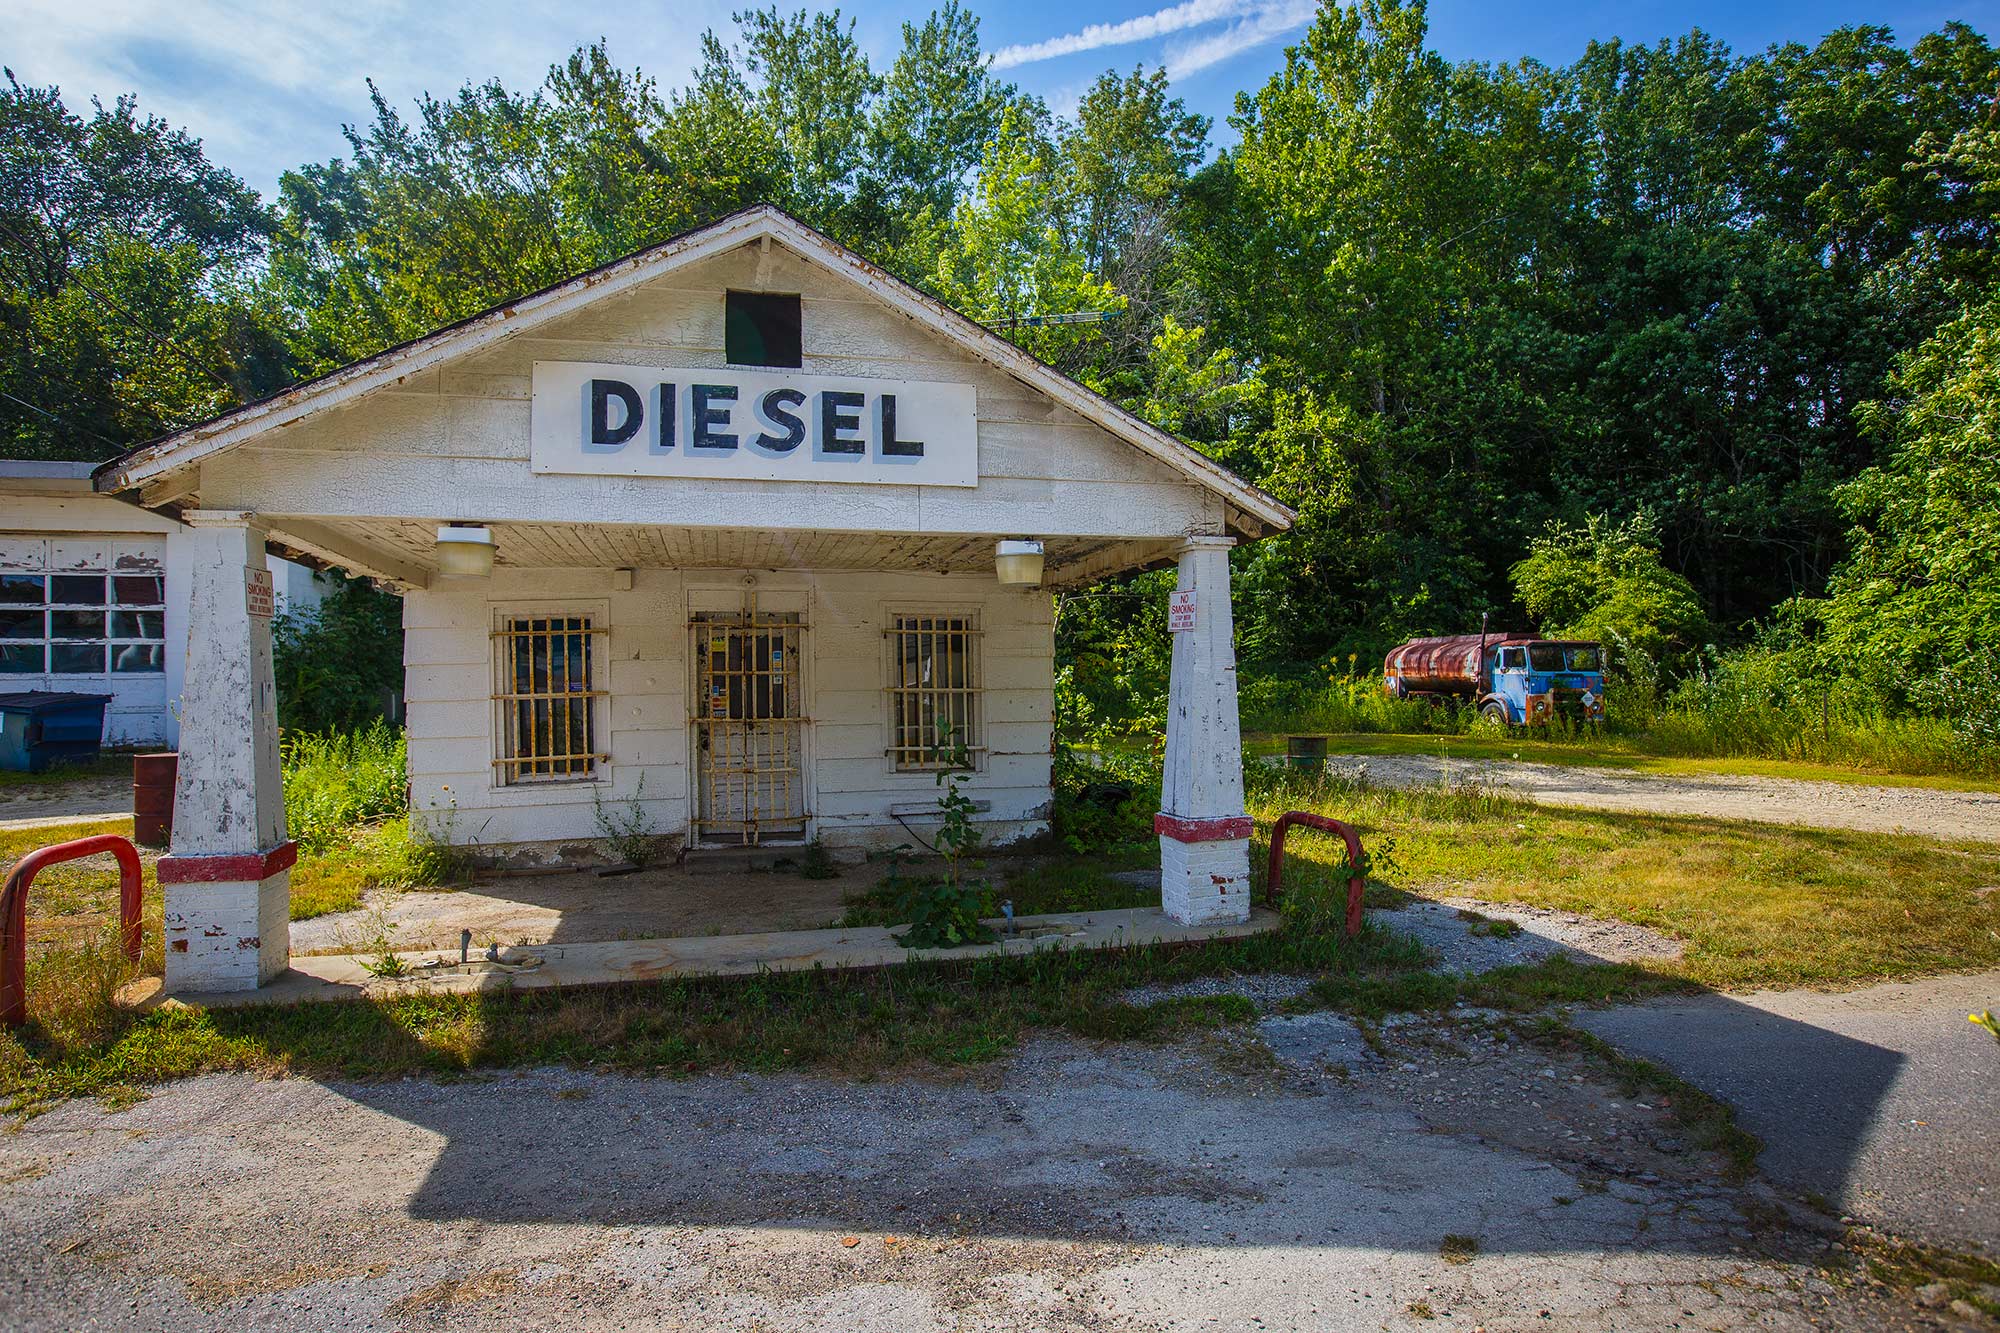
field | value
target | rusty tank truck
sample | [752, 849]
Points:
[1514, 679]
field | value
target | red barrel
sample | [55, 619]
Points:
[153, 798]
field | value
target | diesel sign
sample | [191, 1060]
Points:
[751, 425]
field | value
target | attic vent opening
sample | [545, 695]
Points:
[762, 329]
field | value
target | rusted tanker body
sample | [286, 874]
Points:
[1447, 665]
[1512, 678]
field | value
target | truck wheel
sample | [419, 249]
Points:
[1494, 711]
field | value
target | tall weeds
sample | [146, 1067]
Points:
[1347, 700]
[336, 780]
[1748, 706]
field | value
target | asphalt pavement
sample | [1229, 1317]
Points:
[1882, 1101]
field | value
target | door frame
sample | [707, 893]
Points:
[729, 593]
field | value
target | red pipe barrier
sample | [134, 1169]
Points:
[14, 912]
[1356, 882]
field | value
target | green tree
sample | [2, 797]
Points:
[939, 107]
[1006, 256]
[1920, 591]
[1123, 166]
[126, 308]
[810, 82]
[1604, 581]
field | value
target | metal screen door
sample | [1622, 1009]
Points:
[749, 728]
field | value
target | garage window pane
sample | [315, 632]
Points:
[76, 659]
[21, 589]
[139, 590]
[138, 657]
[18, 624]
[76, 624]
[76, 590]
[138, 624]
[21, 659]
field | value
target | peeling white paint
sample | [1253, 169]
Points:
[1203, 883]
[229, 800]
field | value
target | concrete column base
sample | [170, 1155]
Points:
[1205, 878]
[227, 920]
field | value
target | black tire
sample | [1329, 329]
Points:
[1494, 711]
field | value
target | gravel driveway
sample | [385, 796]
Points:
[1430, 1175]
[1929, 811]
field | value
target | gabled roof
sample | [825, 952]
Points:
[172, 453]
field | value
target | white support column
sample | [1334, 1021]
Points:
[1204, 832]
[227, 880]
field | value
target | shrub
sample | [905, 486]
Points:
[943, 915]
[338, 663]
[1105, 799]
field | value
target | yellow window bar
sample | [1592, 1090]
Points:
[545, 691]
[933, 687]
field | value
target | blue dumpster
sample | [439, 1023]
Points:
[42, 727]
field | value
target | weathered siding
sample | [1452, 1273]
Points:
[452, 442]
[852, 782]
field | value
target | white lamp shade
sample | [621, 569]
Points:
[465, 553]
[1018, 563]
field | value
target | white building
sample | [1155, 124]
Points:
[744, 494]
[93, 597]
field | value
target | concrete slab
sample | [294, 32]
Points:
[346, 976]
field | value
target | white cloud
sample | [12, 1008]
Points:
[267, 85]
[1266, 25]
[1175, 18]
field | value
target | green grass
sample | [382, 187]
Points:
[861, 1023]
[333, 879]
[1755, 904]
[1743, 718]
[1613, 752]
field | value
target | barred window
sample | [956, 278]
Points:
[547, 698]
[933, 689]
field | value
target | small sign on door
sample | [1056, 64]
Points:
[257, 594]
[1180, 611]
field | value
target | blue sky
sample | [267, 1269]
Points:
[267, 86]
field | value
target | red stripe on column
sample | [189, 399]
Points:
[227, 869]
[1202, 830]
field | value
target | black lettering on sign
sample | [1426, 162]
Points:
[701, 416]
[891, 446]
[840, 414]
[666, 399]
[774, 407]
[606, 438]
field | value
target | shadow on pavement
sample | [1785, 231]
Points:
[1079, 1142]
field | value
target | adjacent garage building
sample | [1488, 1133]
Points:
[726, 533]
[93, 598]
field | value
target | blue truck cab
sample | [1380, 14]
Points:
[1536, 682]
